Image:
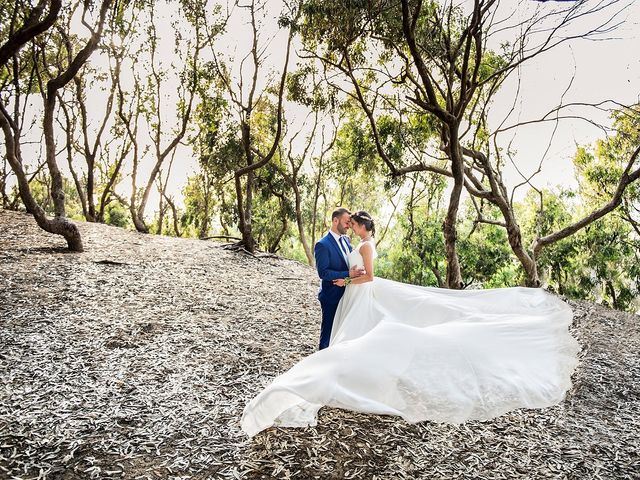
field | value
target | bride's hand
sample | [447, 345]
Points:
[339, 282]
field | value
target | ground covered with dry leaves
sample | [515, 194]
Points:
[135, 359]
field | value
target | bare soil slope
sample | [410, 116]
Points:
[136, 358]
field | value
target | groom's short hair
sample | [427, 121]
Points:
[338, 212]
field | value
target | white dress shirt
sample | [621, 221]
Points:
[341, 245]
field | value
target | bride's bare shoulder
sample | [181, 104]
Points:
[366, 246]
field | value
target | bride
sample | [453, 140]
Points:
[425, 353]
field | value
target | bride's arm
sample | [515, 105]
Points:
[367, 255]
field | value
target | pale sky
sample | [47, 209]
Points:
[603, 70]
[608, 69]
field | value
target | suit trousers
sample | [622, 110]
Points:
[328, 313]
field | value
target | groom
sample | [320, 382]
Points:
[331, 254]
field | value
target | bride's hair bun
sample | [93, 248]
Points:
[363, 218]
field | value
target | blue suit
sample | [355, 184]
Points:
[331, 265]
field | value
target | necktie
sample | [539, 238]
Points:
[343, 244]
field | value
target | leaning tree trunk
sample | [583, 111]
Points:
[59, 225]
[514, 234]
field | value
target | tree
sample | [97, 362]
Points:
[91, 145]
[194, 14]
[292, 176]
[27, 32]
[125, 124]
[253, 155]
[437, 55]
[610, 246]
[417, 254]
[198, 204]
[35, 19]
[299, 182]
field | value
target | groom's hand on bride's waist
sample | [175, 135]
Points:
[356, 271]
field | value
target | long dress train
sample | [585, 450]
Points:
[428, 354]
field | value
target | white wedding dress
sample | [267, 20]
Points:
[428, 354]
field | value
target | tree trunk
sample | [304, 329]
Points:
[528, 263]
[515, 241]
[3, 185]
[453, 275]
[303, 237]
[174, 211]
[138, 222]
[242, 225]
[206, 189]
[612, 292]
[498, 196]
[32, 27]
[245, 198]
[59, 225]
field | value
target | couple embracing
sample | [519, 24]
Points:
[332, 262]
[420, 353]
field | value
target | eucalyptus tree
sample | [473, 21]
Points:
[307, 172]
[343, 171]
[439, 59]
[198, 195]
[416, 256]
[304, 167]
[610, 245]
[318, 179]
[291, 170]
[128, 108]
[28, 23]
[243, 96]
[210, 183]
[165, 140]
[292, 175]
[274, 209]
[600, 166]
[442, 84]
[86, 121]
[21, 23]
[494, 190]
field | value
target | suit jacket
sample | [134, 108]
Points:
[331, 265]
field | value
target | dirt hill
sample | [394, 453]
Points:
[135, 359]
